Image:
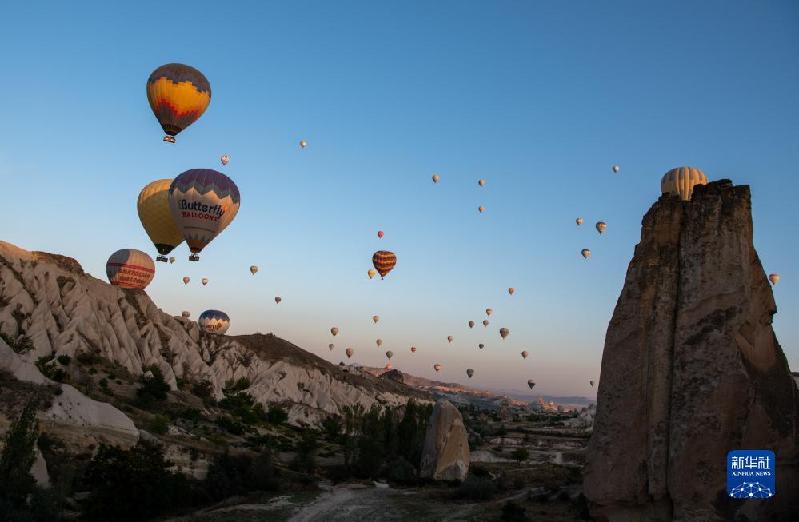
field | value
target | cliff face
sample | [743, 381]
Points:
[691, 370]
[51, 301]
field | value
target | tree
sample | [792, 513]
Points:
[520, 455]
[16, 481]
[305, 460]
[152, 388]
[276, 415]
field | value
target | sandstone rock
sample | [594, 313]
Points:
[393, 375]
[691, 370]
[446, 446]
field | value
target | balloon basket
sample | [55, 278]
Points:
[194, 257]
[163, 259]
[169, 139]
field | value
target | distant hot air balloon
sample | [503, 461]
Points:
[253, 269]
[511, 290]
[774, 278]
[436, 178]
[585, 253]
[184, 314]
[471, 324]
[178, 95]
[531, 384]
[413, 349]
[616, 169]
[304, 144]
[389, 365]
[225, 159]
[375, 318]
[156, 217]
[579, 221]
[481, 182]
[469, 372]
[384, 261]
[380, 234]
[681, 181]
[203, 203]
[437, 367]
[349, 352]
[130, 268]
[204, 281]
[214, 321]
[485, 322]
[481, 346]
[601, 226]
[379, 342]
[481, 209]
[186, 280]
[372, 272]
[389, 354]
[489, 311]
[524, 354]
[450, 338]
[171, 260]
[504, 332]
[331, 346]
[591, 383]
[334, 331]
[278, 299]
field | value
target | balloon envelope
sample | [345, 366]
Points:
[471, 324]
[531, 384]
[375, 318]
[601, 226]
[334, 331]
[186, 280]
[485, 322]
[253, 269]
[156, 217]
[579, 221]
[214, 321]
[130, 268]
[225, 159]
[504, 332]
[413, 349]
[380, 233]
[681, 181]
[481, 182]
[437, 367]
[436, 178]
[204, 281]
[450, 338]
[384, 262]
[481, 346]
[774, 278]
[379, 342]
[511, 291]
[389, 354]
[278, 299]
[178, 95]
[331, 346]
[489, 311]
[469, 372]
[524, 354]
[349, 352]
[372, 272]
[585, 253]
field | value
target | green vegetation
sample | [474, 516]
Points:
[520, 455]
[64, 360]
[153, 389]
[22, 344]
[49, 370]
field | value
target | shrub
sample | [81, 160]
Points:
[203, 389]
[159, 425]
[513, 512]
[332, 428]
[230, 425]
[520, 455]
[22, 344]
[87, 358]
[231, 475]
[305, 460]
[276, 415]
[401, 471]
[49, 370]
[64, 360]
[476, 488]
[16, 481]
[104, 386]
[152, 389]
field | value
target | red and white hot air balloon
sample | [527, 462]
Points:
[130, 268]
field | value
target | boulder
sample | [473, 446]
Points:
[691, 369]
[446, 445]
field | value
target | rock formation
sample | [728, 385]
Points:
[48, 302]
[691, 370]
[446, 445]
[393, 375]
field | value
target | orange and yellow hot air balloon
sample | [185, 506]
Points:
[384, 261]
[178, 95]
[156, 217]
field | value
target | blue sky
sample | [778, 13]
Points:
[538, 98]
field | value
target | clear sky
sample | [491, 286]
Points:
[538, 98]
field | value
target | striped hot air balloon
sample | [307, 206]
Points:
[156, 217]
[214, 322]
[681, 181]
[178, 95]
[203, 203]
[384, 261]
[130, 268]
[413, 349]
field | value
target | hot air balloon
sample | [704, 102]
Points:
[349, 352]
[511, 290]
[331, 346]
[585, 253]
[681, 181]
[225, 159]
[384, 261]
[436, 178]
[389, 365]
[450, 338]
[774, 278]
[186, 280]
[579, 221]
[481, 346]
[253, 269]
[524, 354]
[203, 203]
[172, 259]
[334, 331]
[413, 349]
[214, 321]
[469, 372]
[379, 342]
[616, 169]
[531, 384]
[485, 322]
[601, 226]
[591, 383]
[375, 318]
[130, 268]
[184, 314]
[156, 217]
[504, 332]
[304, 144]
[471, 324]
[278, 299]
[481, 182]
[178, 95]
[437, 367]
[204, 281]
[389, 354]
[481, 209]
[372, 272]
[489, 311]
[380, 234]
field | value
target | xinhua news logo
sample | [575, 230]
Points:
[751, 474]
